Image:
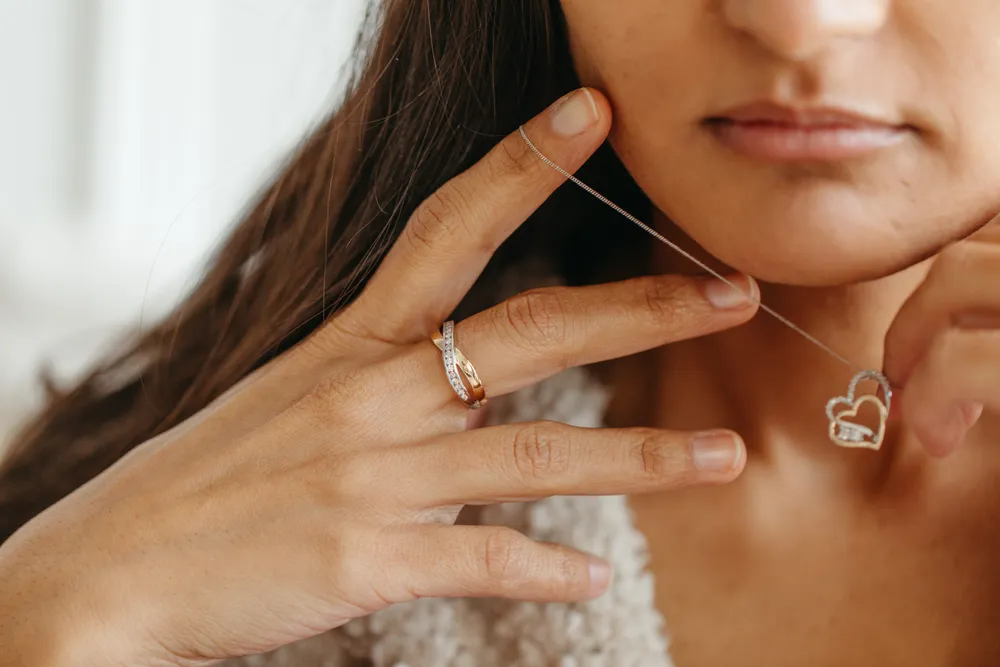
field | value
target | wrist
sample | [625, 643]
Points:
[39, 620]
[26, 636]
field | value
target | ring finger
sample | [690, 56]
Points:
[540, 333]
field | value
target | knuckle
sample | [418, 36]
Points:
[651, 457]
[503, 554]
[353, 476]
[439, 216]
[663, 298]
[538, 319]
[511, 159]
[336, 339]
[540, 451]
[337, 389]
[338, 395]
[425, 227]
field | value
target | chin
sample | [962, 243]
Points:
[815, 223]
[823, 237]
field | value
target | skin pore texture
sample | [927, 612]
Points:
[817, 555]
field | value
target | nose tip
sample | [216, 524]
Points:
[801, 29]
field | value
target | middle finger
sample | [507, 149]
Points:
[522, 462]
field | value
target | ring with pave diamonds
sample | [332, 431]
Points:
[458, 367]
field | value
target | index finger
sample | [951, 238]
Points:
[452, 235]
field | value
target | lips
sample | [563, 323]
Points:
[771, 132]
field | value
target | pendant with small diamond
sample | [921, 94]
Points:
[842, 413]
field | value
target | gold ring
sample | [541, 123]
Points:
[461, 373]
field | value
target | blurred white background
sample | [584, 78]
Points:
[131, 133]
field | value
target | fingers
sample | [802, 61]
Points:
[528, 339]
[943, 345]
[494, 562]
[529, 461]
[537, 334]
[451, 236]
[950, 386]
[962, 290]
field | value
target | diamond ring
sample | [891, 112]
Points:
[462, 375]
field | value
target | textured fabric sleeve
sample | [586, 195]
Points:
[328, 650]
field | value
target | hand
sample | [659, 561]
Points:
[325, 486]
[944, 346]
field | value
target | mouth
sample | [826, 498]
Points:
[766, 131]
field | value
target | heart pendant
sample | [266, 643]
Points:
[842, 412]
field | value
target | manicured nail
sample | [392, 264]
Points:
[717, 451]
[574, 113]
[600, 576]
[725, 297]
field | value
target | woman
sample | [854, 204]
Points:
[284, 455]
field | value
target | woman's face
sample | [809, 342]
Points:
[804, 141]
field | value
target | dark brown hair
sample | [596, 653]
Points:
[436, 83]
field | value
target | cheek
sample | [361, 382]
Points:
[819, 224]
[633, 50]
[972, 147]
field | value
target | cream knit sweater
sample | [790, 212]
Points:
[621, 629]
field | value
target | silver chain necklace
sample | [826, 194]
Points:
[841, 411]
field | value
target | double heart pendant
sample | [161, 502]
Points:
[844, 412]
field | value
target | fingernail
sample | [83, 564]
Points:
[941, 430]
[717, 451]
[725, 297]
[574, 113]
[971, 412]
[600, 576]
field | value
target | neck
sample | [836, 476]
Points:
[771, 384]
